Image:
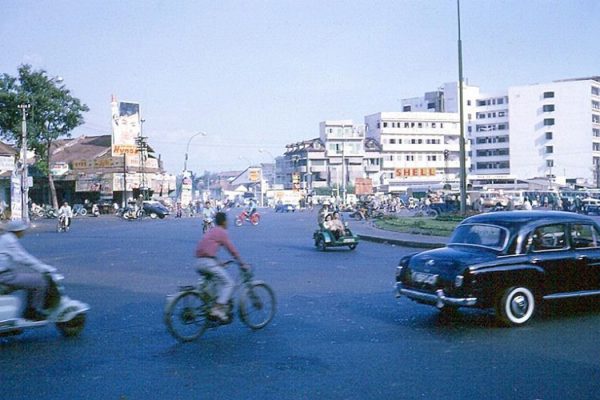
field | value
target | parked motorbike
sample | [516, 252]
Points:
[79, 210]
[254, 219]
[68, 315]
[49, 211]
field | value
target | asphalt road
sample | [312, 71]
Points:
[339, 333]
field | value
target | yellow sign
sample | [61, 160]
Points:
[254, 174]
[405, 172]
[80, 164]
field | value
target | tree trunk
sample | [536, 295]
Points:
[51, 181]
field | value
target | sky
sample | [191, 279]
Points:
[257, 75]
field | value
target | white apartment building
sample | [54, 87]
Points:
[555, 129]
[344, 149]
[417, 148]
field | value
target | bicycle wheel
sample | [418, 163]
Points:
[257, 305]
[185, 316]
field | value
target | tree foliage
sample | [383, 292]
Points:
[54, 113]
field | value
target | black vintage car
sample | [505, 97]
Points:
[509, 261]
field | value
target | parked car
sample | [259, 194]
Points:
[508, 261]
[155, 209]
[591, 206]
[285, 208]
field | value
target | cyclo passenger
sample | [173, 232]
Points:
[206, 252]
[323, 212]
[337, 226]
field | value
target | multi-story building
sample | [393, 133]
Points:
[541, 130]
[336, 159]
[417, 148]
[555, 129]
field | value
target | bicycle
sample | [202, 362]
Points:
[187, 313]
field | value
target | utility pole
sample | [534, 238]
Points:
[142, 147]
[463, 161]
[24, 176]
[124, 180]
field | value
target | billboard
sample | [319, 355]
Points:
[363, 186]
[126, 127]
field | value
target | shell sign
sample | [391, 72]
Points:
[404, 172]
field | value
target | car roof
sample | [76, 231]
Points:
[522, 217]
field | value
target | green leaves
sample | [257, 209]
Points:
[54, 112]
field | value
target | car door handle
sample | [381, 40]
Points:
[581, 257]
[535, 260]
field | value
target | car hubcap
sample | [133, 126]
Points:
[519, 305]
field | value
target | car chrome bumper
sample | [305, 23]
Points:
[439, 299]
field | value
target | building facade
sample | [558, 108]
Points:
[555, 129]
[417, 148]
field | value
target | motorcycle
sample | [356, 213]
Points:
[49, 211]
[206, 225]
[254, 219]
[63, 224]
[68, 315]
[79, 210]
[95, 211]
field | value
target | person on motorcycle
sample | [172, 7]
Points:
[208, 213]
[65, 213]
[206, 252]
[12, 258]
[251, 207]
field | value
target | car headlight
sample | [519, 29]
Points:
[399, 270]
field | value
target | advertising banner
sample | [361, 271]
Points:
[363, 186]
[126, 126]
[254, 174]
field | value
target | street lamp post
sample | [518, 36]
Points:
[187, 148]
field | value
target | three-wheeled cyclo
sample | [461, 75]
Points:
[325, 237]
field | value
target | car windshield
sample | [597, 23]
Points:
[491, 236]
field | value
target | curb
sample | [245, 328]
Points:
[404, 243]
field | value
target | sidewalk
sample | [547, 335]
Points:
[366, 231]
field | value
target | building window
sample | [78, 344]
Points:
[596, 146]
[548, 95]
[385, 124]
[420, 125]
[501, 113]
[548, 135]
[500, 101]
[596, 119]
[392, 141]
[420, 141]
[548, 121]
[406, 108]
[413, 141]
[596, 91]
[378, 125]
[433, 125]
[548, 108]
[468, 102]
[406, 125]
[596, 132]
[596, 105]
[549, 149]
[549, 163]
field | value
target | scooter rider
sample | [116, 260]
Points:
[207, 212]
[65, 212]
[12, 257]
[206, 251]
